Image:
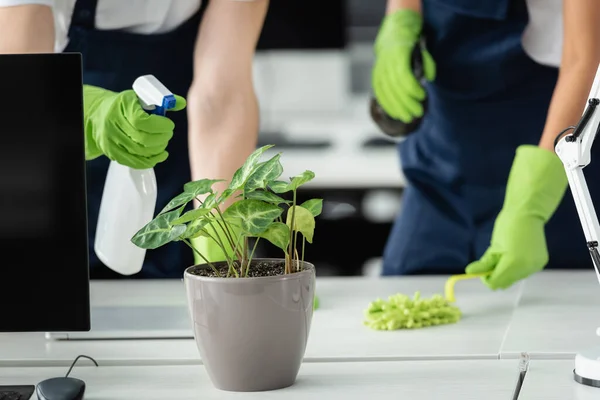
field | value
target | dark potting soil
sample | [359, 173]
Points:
[257, 269]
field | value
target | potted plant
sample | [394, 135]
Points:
[251, 317]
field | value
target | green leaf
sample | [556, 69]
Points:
[279, 187]
[315, 206]
[253, 215]
[225, 195]
[265, 172]
[195, 229]
[241, 175]
[304, 222]
[299, 180]
[210, 201]
[159, 231]
[203, 186]
[277, 233]
[295, 182]
[267, 197]
[178, 201]
[191, 215]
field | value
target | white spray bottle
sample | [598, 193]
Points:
[129, 197]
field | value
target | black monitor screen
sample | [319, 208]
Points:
[44, 279]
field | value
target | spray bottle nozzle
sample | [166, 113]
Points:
[154, 96]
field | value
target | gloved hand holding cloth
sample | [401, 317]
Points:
[536, 186]
[395, 86]
[118, 127]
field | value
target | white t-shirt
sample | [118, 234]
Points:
[543, 37]
[136, 16]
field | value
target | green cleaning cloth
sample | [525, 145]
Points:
[403, 312]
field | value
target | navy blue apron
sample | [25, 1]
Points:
[113, 60]
[488, 98]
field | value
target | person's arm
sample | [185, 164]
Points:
[223, 112]
[26, 27]
[395, 5]
[537, 181]
[579, 62]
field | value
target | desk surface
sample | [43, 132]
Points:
[337, 331]
[557, 315]
[423, 380]
[553, 380]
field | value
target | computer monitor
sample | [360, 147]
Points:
[44, 276]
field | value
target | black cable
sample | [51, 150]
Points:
[562, 133]
[78, 357]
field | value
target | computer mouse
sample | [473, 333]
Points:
[61, 389]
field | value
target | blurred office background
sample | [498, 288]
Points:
[312, 75]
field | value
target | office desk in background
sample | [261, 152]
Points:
[422, 380]
[337, 332]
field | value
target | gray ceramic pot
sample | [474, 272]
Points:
[252, 332]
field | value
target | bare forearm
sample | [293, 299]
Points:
[395, 5]
[222, 106]
[578, 65]
[26, 29]
[223, 132]
[569, 99]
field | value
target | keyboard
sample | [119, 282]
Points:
[16, 392]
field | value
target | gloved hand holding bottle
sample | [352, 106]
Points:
[118, 127]
[395, 86]
[536, 186]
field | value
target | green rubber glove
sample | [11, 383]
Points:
[119, 128]
[536, 186]
[395, 87]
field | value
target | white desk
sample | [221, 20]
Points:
[337, 331]
[557, 315]
[553, 380]
[34, 349]
[422, 380]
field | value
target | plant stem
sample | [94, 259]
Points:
[223, 226]
[297, 260]
[234, 271]
[186, 241]
[218, 240]
[240, 256]
[296, 243]
[252, 255]
[225, 231]
[230, 261]
[303, 244]
[245, 262]
[287, 264]
[226, 227]
[292, 228]
[235, 250]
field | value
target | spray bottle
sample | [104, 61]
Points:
[393, 127]
[129, 197]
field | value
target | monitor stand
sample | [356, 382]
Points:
[134, 322]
